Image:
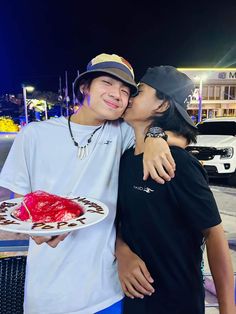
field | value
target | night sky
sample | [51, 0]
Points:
[39, 40]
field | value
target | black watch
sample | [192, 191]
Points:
[155, 131]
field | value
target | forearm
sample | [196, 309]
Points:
[120, 246]
[134, 276]
[176, 140]
[221, 268]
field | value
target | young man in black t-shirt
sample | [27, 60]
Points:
[166, 226]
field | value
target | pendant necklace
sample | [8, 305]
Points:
[83, 151]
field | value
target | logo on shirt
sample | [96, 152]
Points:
[107, 142]
[143, 189]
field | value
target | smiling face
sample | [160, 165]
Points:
[106, 98]
[142, 107]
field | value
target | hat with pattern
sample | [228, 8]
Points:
[110, 64]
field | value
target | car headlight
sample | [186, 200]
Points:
[226, 152]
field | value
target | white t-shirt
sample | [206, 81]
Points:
[79, 276]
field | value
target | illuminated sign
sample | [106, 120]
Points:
[232, 75]
[207, 74]
[223, 75]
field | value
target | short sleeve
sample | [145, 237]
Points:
[127, 136]
[193, 194]
[15, 172]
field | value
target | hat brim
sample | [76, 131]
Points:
[116, 73]
[184, 114]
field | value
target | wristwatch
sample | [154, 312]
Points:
[155, 131]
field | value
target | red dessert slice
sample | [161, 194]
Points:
[41, 206]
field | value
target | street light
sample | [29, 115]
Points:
[29, 89]
[200, 79]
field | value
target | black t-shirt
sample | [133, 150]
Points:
[163, 224]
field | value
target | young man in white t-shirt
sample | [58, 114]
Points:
[77, 273]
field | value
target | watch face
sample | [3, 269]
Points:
[155, 130]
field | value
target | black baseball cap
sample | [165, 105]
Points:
[173, 83]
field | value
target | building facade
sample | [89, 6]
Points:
[215, 92]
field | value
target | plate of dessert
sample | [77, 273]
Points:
[41, 214]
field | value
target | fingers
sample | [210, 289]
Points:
[165, 168]
[142, 281]
[146, 273]
[158, 161]
[171, 161]
[132, 291]
[138, 282]
[142, 287]
[161, 169]
[126, 292]
[145, 171]
[133, 274]
[153, 173]
[52, 241]
[40, 240]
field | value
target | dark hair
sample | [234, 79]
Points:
[87, 82]
[171, 120]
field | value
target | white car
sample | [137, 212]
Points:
[216, 147]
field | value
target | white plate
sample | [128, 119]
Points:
[94, 212]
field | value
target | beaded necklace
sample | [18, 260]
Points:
[83, 151]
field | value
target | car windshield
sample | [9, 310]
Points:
[217, 128]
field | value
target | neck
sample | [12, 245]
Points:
[85, 116]
[140, 132]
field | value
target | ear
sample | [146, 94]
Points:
[162, 107]
[83, 89]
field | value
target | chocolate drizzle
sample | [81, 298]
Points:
[5, 205]
[93, 208]
[3, 217]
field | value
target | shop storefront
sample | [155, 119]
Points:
[215, 92]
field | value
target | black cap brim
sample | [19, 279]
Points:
[184, 114]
